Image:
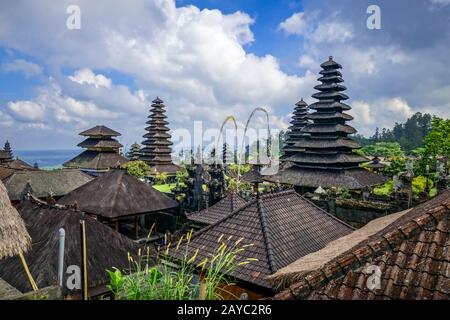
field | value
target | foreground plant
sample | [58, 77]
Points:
[181, 279]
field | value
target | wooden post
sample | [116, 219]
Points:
[117, 225]
[136, 226]
[84, 283]
[202, 289]
[28, 273]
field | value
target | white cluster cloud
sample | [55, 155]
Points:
[393, 109]
[52, 107]
[194, 59]
[198, 62]
[86, 75]
[29, 69]
[389, 74]
[441, 2]
[295, 24]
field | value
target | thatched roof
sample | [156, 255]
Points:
[44, 183]
[118, 194]
[282, 227]
[100, 131]
[100, 143]
[218, 211]
[96, 160]
[354, 179]
[105, 247]
[4, 155]
[410, 249]
[14, 237]
[18, 164]
[7, 291]
[5, 172]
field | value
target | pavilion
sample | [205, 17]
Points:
[117, 196]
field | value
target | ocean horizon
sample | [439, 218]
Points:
[47, 159]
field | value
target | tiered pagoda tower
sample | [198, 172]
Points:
[227, 155]
[157, 151]
[102, 151]
[6, 156]
[328, 158]
[134, 152]
[9, 152]
[299, 121]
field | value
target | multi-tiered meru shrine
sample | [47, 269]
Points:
[325, 154]
[157, 151]
[102, 151]
[299, 121]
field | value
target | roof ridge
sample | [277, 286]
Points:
[266, 235]
[325, 212]
[116, 189]
[203, 230]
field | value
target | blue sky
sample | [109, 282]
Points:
[208, 59]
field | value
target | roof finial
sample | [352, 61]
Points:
[330, 58]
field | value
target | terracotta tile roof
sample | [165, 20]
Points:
[412, 254]
[220, 210]
[282, 227]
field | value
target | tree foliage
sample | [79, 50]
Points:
[139, 169]
[410, 134]
[383, 149]
[437, 142]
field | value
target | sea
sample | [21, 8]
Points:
[46, 159]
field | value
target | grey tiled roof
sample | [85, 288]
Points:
[220, 210]
[43, 183]
[282, 228]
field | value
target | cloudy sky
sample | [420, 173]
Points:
[208, 58]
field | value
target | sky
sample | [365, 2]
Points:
[208, 59]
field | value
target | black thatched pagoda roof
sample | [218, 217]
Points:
[105, 247]
[218, 211]
[118, 194]
[299, 121]
[157, 151]
[100, 143]
[4, 155]
[376, 164]
[100, 131]
[102, 151]
[324, 155]
[282, 227]
[96, 160]
[19, 164]
[134, 152]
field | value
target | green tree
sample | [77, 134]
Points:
[383, 149]
[437, 141]
[139, 169]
